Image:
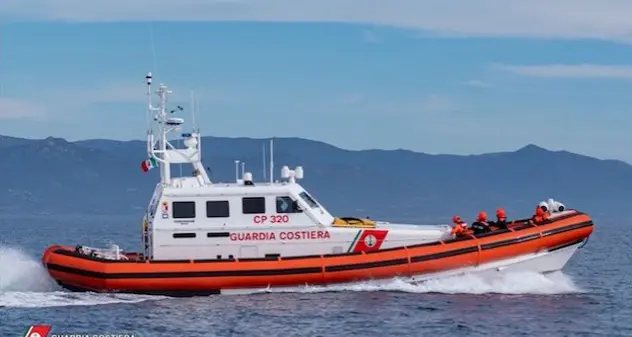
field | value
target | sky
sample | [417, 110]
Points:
[460, 76]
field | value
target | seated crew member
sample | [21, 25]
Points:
[460, 226]
[501, 219]
[539, 216]
[545, 209]
[481, 225]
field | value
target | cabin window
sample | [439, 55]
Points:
[183, 235]
[217, 209]
[286, 205]
[253, 205]
[183, 209]
[308, 199]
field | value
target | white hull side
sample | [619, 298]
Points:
[543, 262]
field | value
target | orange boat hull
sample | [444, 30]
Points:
[80, 272]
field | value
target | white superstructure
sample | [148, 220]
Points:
[192, 217]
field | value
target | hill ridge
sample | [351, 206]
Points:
[101, 176]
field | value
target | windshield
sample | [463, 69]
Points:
[309, 200]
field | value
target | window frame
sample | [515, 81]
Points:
[294, 207]
[173, 209]
[218, 202]
[246, 206]
[309, 200]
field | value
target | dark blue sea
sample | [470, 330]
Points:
[593, 297]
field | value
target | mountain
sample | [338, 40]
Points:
[54, 176]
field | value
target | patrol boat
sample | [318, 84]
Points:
[203, 237]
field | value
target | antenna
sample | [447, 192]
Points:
[237, 171]
[152, 44]
[148, 79]
[271, 160]
[197, 108]
[263, 150]
[243, 169]
[193, 108]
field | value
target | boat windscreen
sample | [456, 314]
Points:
[309, 200]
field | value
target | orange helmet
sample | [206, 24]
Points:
[456, 219]
[500, 213]
[482, 216]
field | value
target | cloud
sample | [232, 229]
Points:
[81, 98]
[11, 108]
[570, 71]
[437, 103]
[604, 19]
[477, 83]
[68, 102]
[362, 103]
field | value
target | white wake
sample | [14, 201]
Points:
[515, 283]
[24, 283]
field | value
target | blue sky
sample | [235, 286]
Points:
[468, 77]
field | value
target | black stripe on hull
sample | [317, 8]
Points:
[170, 293]
[316, 270]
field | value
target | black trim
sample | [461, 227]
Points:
[565, 229]
[510, 242]
[217, 234]
[184, 235]
[170, 293]
[214, 273]
[314, 270]
[443, 255]
[566, 245]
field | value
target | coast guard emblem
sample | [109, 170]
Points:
[370, 240]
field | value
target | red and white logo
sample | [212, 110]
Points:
[370, 241]
[38, 331]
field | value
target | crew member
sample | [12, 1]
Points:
[501, 219]
[481, 225]
[460, 226]
[545, 209]
[540, 216]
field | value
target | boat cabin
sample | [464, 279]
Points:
[192, 217]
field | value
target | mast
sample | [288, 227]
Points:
[161, 152]
[161, 118]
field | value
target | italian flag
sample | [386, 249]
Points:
[148, 164]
